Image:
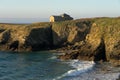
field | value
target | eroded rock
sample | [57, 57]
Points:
[14, 45]
[70, 32]
[4, 37]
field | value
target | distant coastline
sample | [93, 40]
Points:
[22, 20]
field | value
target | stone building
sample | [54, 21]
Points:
[62, 17]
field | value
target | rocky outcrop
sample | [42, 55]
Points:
[101, 43]
[109, 30]
[34, 37]
[95, 39]
[87, 52]
[70, 31]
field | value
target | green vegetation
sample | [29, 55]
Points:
[108, 28]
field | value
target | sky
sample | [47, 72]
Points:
[43, 9]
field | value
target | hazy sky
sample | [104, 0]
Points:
[45, 8]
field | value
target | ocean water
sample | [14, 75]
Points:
[44, 65]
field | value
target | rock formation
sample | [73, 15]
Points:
[101, 43]
[70, 32]
[39, 38]
[25, 37]
[95, 39]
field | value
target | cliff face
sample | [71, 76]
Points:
[39, 38]
[10, 35]
[70, 32]
[25, 37]
[93, 39]
[107, 30]
[102, 43]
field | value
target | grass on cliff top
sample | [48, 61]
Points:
[102, 21]
[40, 24]
[108, 28]
[72, 22]
[109, 24]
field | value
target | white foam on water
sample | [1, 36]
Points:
[53, 57]
[93, 76]
[78, 68]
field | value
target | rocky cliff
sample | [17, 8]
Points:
[32, 37]
[70, 32]
[95, 39]
[101, 43]
[106, 31]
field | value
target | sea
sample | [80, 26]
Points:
[44, 65]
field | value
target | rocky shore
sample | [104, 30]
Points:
[96, 39]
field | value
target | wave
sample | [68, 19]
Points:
[78, 68]
[53, 57]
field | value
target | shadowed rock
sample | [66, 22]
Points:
[14, 46]
[40, 38]
[4, 37]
